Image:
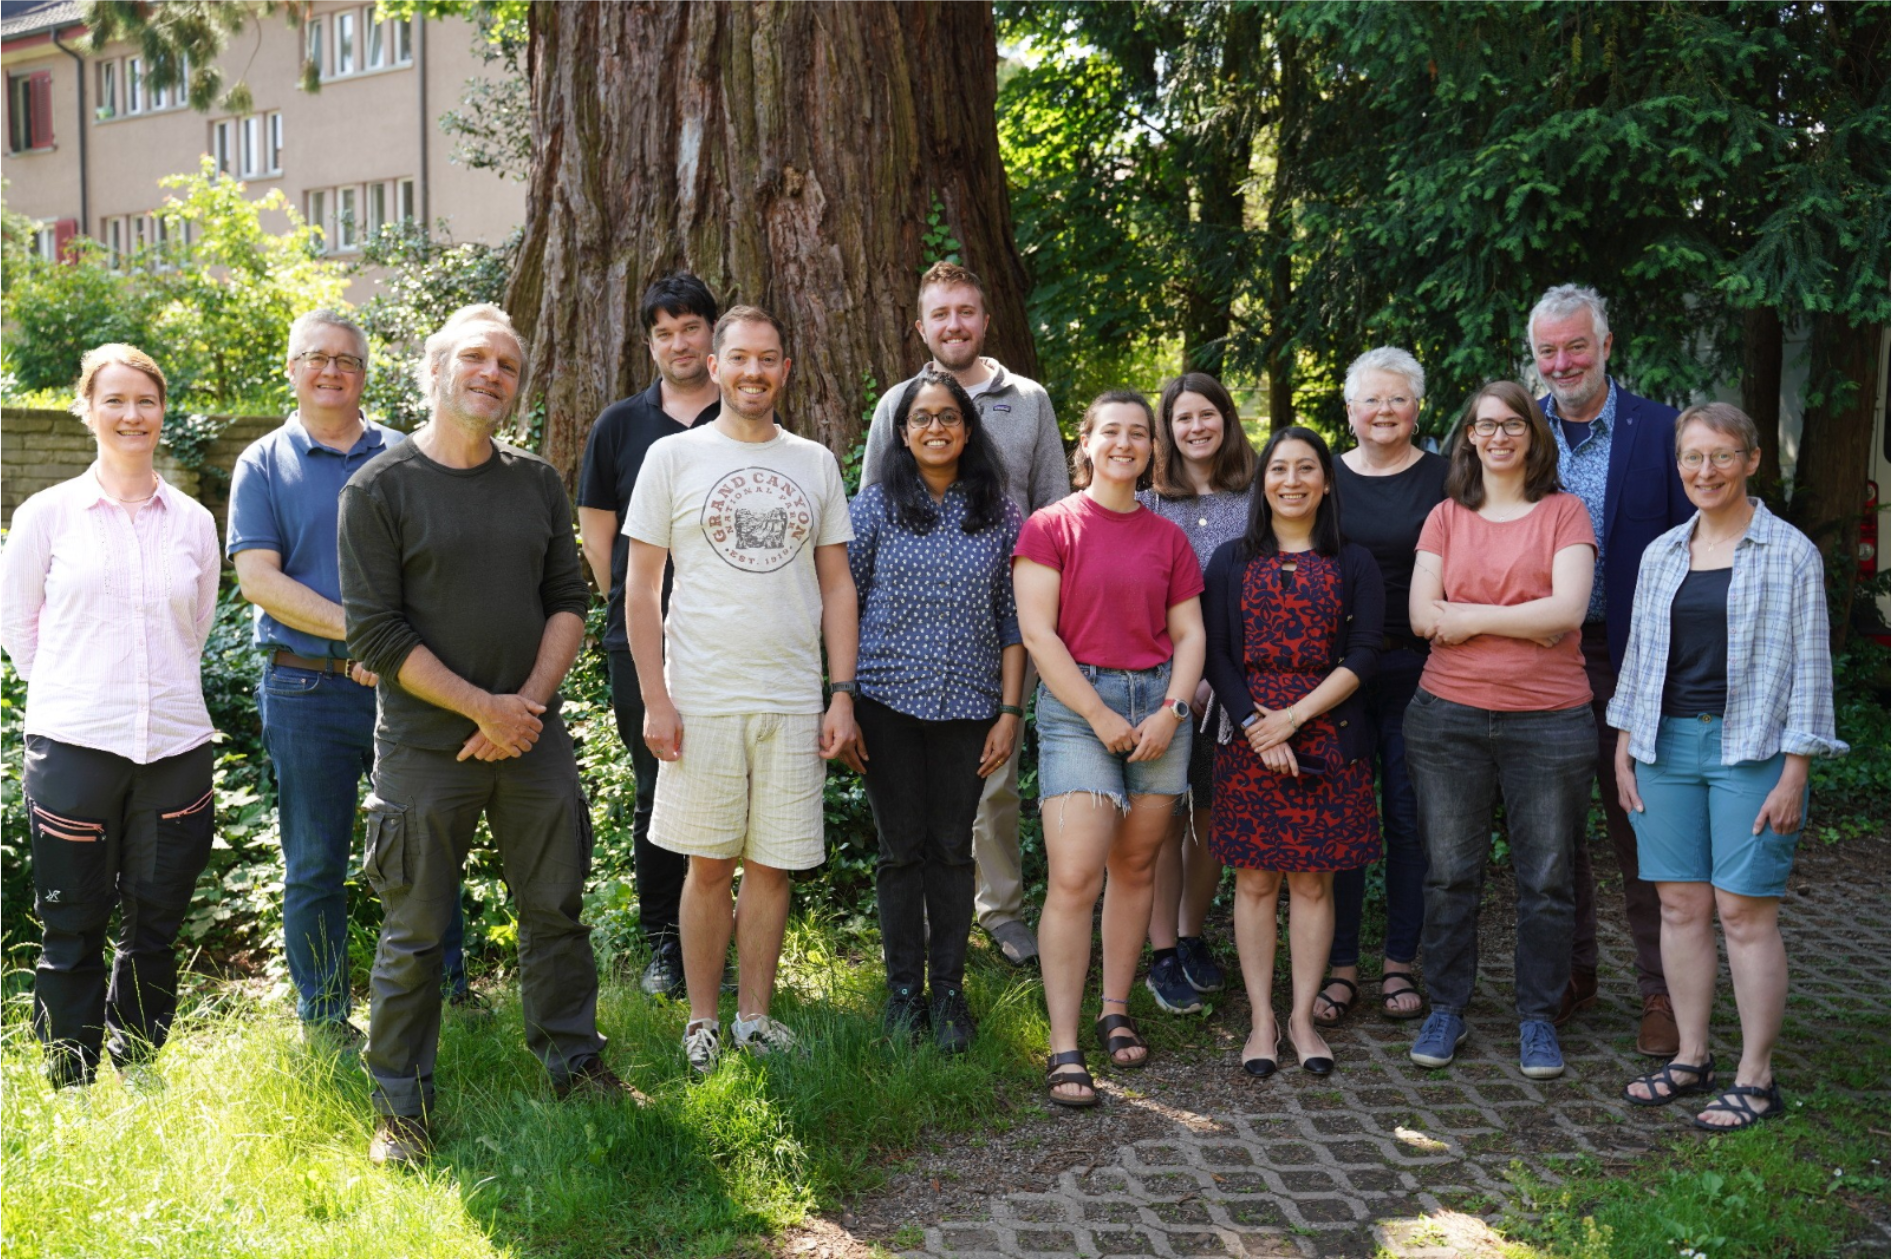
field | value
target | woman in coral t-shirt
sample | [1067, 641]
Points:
[1108, 606]
[1500, 587]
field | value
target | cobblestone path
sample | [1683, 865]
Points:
[1191, 1158]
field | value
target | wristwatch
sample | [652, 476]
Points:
[848, 688]
[1178, 709]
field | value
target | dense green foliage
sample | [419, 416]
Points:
[1417, 174]
[216, 319]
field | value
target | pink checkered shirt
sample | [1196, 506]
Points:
[105, 615]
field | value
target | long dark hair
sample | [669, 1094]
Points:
[908, 500]
[1465, 475]
[1260, 539]
[1234, 464]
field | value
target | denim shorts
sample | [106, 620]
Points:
[1697, 824]
[1070, 758]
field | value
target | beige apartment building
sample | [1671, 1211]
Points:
[88, 138]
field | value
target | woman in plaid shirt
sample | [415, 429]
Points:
[1726, 692]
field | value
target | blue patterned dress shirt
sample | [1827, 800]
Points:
[1586, 474]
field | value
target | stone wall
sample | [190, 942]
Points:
[42, 448]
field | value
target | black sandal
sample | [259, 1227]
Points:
[1342, 1008]
[1386, 978]
[1058, 1072]
[1117, 1033]
[1704, 1083]
[1734, 1101]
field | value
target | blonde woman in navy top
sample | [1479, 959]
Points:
[940, 673]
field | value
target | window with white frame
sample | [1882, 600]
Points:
[114, 235]
[375, 55]
[402, 35]
[46, 243]
[347, 219]
[345, 60]
[272, 140]
[134, 86]
[312, 47]
[108, 89]
[404, 206]
[317, 217]
[223, 145]
[260, 140]
[380, 194]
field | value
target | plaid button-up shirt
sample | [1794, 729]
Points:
[1780, 671]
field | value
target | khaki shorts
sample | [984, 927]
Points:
[747, 786]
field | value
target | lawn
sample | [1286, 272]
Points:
[254, 1144]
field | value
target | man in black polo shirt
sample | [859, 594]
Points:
[679, 315]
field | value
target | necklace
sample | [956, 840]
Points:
[134, 502]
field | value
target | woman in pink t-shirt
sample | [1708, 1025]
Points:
[1107, 604]
[1500, 587]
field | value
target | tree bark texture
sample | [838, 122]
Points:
[1835, 452]
[1762, 350]
[786, 153]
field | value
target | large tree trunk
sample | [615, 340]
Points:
[1835, 449]
[786, 153]
[1761, 354]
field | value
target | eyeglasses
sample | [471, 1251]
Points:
[1512, 427]
[1398, 402]
[349, 363]
[1722, 460]
[918, 421]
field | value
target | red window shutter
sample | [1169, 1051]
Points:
[40, 108]
[63, 232]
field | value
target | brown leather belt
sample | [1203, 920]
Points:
[321, 664]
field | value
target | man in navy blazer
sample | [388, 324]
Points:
[1617, 453]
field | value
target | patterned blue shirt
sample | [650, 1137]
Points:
[1586, 474]
[1780, 672]
[936, 608]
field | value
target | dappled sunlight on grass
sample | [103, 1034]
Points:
[257, 1145]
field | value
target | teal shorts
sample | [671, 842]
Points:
[1697, 824]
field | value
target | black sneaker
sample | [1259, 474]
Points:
[906, 1014]
[1173, 992]
[953, 1029]
[1199, 967]
[663, 976]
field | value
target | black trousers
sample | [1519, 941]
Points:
[659, 872]
[923, 784]
[108, 834]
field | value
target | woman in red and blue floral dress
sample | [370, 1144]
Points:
[1294, 620]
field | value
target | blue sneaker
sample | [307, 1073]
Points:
[1173, 992]
[1439, 1040]
[1539, 1056]
[1199, 967]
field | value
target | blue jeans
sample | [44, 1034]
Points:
[319, 731]
[1387, 696]
[1071, 760]
[1461, 759]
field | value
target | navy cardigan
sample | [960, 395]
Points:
[1363, 605]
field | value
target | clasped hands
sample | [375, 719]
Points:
[508, 726]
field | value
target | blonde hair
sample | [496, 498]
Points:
[441, 345]
[98, 358]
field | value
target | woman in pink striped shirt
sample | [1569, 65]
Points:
[107, 589]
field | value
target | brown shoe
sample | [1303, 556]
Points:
[1579, 994]
[1658, 1036]
[594, 1082]
[403, 1141]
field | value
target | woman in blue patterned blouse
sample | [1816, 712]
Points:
[941, 674]
[1726, 692]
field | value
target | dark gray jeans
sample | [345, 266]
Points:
[1460, 759]
[421, 820]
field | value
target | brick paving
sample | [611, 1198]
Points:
[1202, 1161]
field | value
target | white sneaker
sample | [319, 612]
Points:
[702, 1044]
[762, 1035]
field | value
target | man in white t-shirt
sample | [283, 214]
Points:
[755, 522]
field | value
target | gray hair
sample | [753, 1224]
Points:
[1724, 418]
[1567, 299]
[323, 317]
[441, 345]
[1386, 359]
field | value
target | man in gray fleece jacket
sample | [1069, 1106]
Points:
[1018, 421]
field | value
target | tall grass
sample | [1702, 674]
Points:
[255, 1144]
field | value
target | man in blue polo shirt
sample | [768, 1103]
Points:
[316, 706]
